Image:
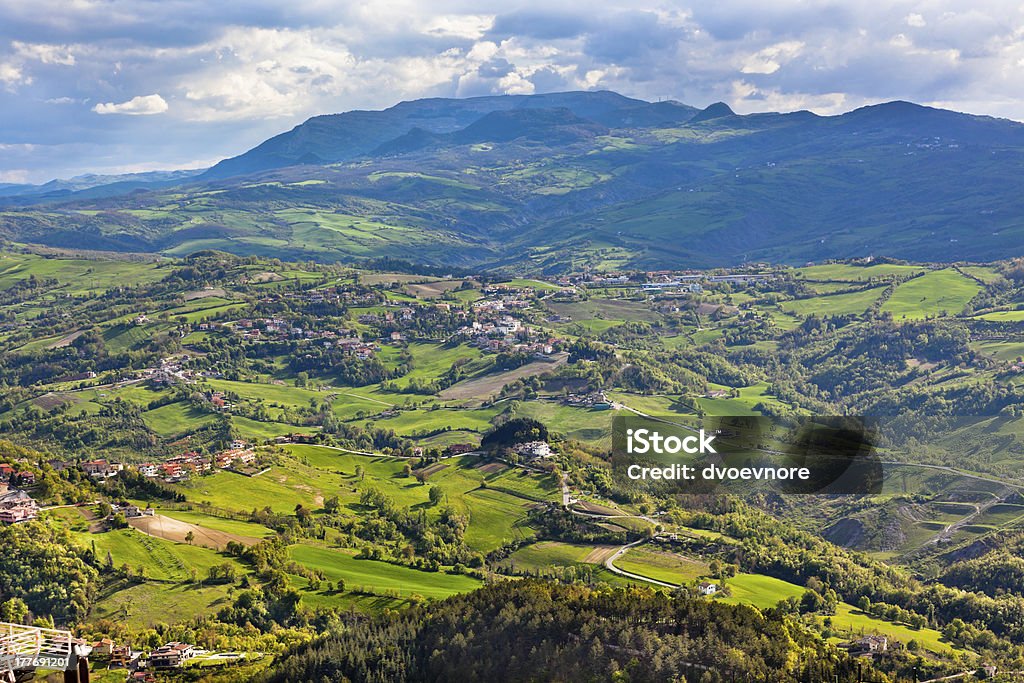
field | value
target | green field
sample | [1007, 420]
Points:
[380, 577]
[1004, 316]
[667, 567]
[760, 591]
[430, 361]
[853, 303]
[1003, 350]
[583, 424]
[939, 292]
[496, 513]
[745, 404]
[543, 555]
[162, 560]
[146, 605]
[77, 276]
[280, 489]
[854, 622]
[175, 419]
[852, 273]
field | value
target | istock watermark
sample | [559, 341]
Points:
[806, 455]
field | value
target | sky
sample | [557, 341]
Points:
[118, 86]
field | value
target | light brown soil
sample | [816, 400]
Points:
[203, 293]
[66, 340]
[434, 469]
[176, 530]
[599, 554]
[482, 387]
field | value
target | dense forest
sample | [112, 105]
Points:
[530, 630]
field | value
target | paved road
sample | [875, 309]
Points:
[610, 566]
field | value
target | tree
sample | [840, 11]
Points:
[811, 602]
[436, 495]
[13, 611]
[189, 537]
[516, 430]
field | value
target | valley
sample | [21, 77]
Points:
[241, 451]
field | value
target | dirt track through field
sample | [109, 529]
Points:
[482, 387]
[175, 530]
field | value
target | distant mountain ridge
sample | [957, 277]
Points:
[340, 137]
[568, 180]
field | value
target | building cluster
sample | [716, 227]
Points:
[341, 295]
[668, 279]
[868, 646]
[173, 655]
[171, 371]
[505, 333]
[17, 506]
[594, 399]
[532, 450]
[239, 453]
[181, 467]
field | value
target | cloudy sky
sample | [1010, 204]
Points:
[116, 85]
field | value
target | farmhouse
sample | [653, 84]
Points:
[148, 469]
[122, 655]
[136, 511]
[103, 647]
[868, 646]
[707, 588]
[101, 469]
[171, 656]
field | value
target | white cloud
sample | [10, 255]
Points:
[516, 84]
[47, 54]
[470, 26]
[266, 73]
[14, 175]
[915, 20]
[140, 105]
[748, 98]
[770, 59]
[237, 73]
[11, 74]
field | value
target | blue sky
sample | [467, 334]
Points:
[116, 86]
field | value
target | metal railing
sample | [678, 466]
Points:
[29, 647]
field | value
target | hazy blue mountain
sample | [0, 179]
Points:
[340, 137]
[571, 179]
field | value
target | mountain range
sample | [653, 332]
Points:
[569, 180]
